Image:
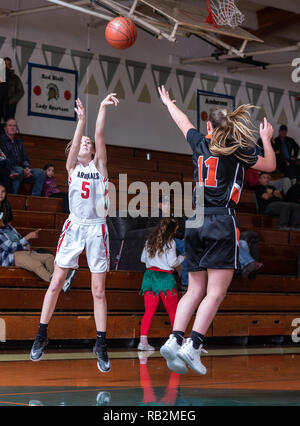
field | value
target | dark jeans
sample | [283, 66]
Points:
[289, 213]
[5, 169]
[37, 178]
[9, 111]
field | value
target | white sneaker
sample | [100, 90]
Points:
[191, 356]
[143, 347]
[169, 351]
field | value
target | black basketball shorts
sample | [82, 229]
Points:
[214, 245]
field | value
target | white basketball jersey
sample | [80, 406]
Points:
[88, 193]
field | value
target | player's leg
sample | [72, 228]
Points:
[50, 300]
[218, 283]
[185, 310]
[100, 314]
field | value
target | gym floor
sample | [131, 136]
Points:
[235, 377]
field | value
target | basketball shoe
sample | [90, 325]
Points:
[191, 356]
[103, 363]
[169, 351]
[38, 347]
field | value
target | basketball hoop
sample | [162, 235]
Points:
[224, 12]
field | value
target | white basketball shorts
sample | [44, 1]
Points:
[77, 237]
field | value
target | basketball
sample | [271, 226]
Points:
[121, 33]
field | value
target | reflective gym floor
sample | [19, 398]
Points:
[235, 377]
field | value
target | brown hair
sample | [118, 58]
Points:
[232, 131]
[68, 147]
[161, 236]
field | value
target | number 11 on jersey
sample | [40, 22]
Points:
[212, 167]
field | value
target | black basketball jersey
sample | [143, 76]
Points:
[221, 176]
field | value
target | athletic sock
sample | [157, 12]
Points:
[179, 335]
[42, 331]
[101, 338]
[197, 339]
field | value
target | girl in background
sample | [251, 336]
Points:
[160, 257]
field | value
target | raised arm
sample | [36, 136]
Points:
[178, 116]
[267, 163]
[100, 159]
[75, 146]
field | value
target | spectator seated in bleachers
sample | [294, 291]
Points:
[51, 189]
[14, 150]
[15, 250]
[271, 201]
[252, 178]
[249, 266]
[287, 150]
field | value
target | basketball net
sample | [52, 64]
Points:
[223, 12]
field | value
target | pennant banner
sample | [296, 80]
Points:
[231, 86]
[208, 82]
[185, 80]
[160, 75]
[253, 92]
[135, 71]
[295, 105]
[23, 54]
[109, 66]
[52, 92]
[274, 96]
[85, 59]
[57, 53]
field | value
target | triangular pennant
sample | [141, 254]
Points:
[145, 95]
[282, 119]
[2, 40]
[57, 54]
[185, 80]
[85, 59]
[261, 114]
[231, 86]
[27, 48]
[135, 71]
[160, 75]
[171, 94]
[119, 90]
[109, 66]
[92, 87]
[253, 92]
[295, 105]
[193, 103]
[208, 82]
[274, 96]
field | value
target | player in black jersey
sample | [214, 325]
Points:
[219, 160]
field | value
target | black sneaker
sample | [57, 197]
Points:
[103, 363]
[38, 347]
[69, 279]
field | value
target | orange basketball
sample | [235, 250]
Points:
[121, 33]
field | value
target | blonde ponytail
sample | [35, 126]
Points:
[232, 132]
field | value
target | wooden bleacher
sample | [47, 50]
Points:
[263, 307]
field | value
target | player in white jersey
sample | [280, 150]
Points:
[85, 229]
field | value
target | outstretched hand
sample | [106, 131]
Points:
[266, 130]
[80, 110]
[110, 100]
[164, 95]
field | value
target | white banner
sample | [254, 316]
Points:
[209, 100]
[52, 92]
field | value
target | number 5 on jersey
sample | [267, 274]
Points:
[85, 190]
[212, 166]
